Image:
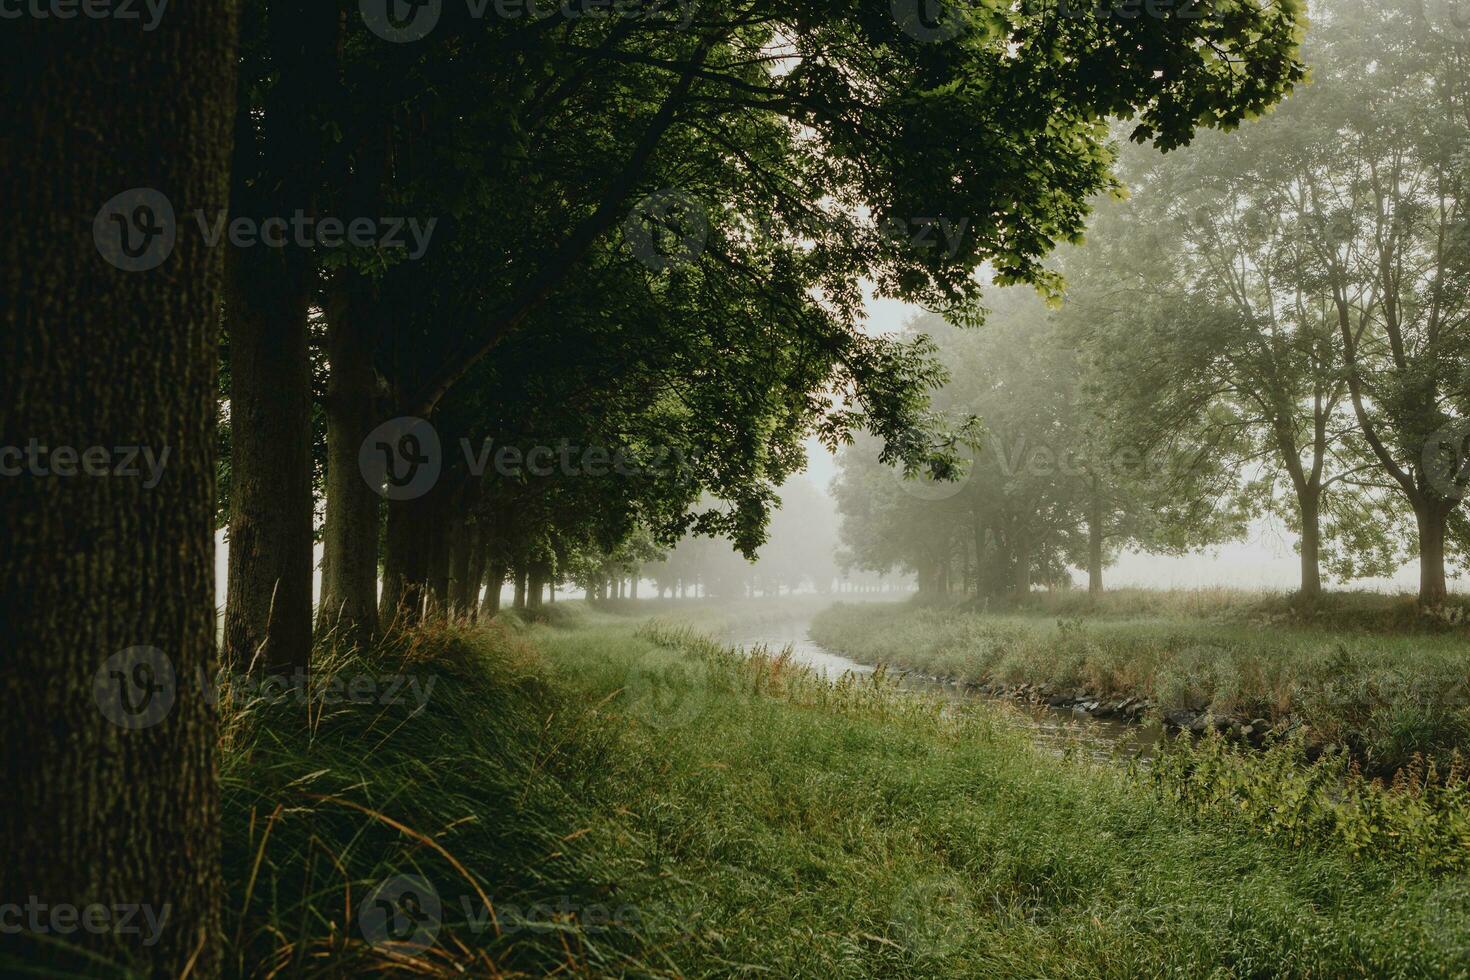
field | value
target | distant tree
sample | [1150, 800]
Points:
[1304, 311]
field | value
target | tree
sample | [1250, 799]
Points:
[1225, 344]
[1311, 315]
[106, 583]
[1051, 477]
[856, 86]
[1387, 226]
[289, 67]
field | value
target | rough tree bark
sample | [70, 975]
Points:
[494, 579]
[268, 603]
[1430, 517]
[1095, 541]
[268, 607]
[1310, 506]
[519, 602]
[91, 565]
[468, 601]
[350, 540]
[536, 576]
[405, 562]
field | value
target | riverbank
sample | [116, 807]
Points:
[599, 797]
[1363, 672]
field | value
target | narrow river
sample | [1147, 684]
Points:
[1056, 728]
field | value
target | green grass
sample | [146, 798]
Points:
[1355, 672]
[642, 802]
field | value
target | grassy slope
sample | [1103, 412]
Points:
[741, 818]
[1338, 671]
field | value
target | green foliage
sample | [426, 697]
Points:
[1421, 817]
[1046, 469]
[806, 146]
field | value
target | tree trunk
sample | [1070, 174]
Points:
[461, 597]
[475, 575]
[1095, 543]
[405, 561]
[1311, 545]
[1022, 569]
[1430, 518]
[349, 600]
[519, 602]
[536, 577]
[268, 615]
[268, 604]
[494, 579]
[101, 806]
[439, 508]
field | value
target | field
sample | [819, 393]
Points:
[1359, 671]
[634, 800]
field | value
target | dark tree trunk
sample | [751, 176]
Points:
[405, 562]
[91, 566]
[1430, 518]
[268, 607]
[1022, 569]
[1095, 543]
[350, 547]
[475, 574]
[461, 593]
[536, 576]
[438, 511]
[519, 602]
[1311, 545]
[494, 579]
[268, 604]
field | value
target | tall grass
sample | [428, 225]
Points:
[641, 801]
[1386, 695]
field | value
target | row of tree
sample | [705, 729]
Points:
[1277, 321]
